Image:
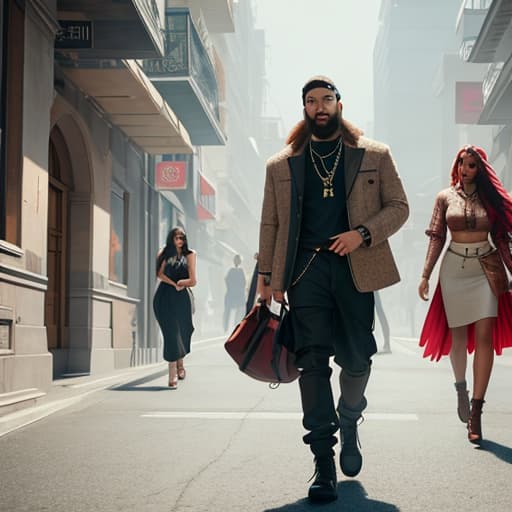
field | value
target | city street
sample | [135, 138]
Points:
[223, 442]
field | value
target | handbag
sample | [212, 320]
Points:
[494, 270]
[258, 346]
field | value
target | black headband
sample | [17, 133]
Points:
[318, 83]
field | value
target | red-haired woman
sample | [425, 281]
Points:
[472, 308]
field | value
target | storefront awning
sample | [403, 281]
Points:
[206, 205]
[132, 103]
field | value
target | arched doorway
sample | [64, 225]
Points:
[68, 307]
[59, 185]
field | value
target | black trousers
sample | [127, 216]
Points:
[330, 317]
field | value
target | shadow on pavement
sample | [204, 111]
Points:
[351, 497]
[501, 451]
[141, 388]
[132, 385]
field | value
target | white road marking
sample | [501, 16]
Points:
[209, 340]
[406, 346]
[391, 416]
[240, 415]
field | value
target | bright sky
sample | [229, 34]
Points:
[326, 37]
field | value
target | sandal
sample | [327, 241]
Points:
[181, 370]
[173, 376]
[475, 421]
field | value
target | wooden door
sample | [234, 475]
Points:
[55, 300]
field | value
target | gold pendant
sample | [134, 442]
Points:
[328, 192]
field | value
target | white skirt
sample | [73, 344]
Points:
[467, 296]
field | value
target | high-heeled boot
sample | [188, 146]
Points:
[475, 421]
[462, 400]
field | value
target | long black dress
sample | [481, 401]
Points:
[173, 311]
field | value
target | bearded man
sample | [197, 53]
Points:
[332, 199]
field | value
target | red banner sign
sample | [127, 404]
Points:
[469, 102]
[206, 204]
[171, 176]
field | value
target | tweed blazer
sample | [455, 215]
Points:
[375, 198]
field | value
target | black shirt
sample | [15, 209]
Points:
[323, 217]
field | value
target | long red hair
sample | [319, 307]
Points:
[494, 197]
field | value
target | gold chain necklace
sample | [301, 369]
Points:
[469, 210]
[326, 180]
[322, 157]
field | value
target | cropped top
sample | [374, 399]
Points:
[457, 211]
[176, 268]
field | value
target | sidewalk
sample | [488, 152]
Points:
[68, 391]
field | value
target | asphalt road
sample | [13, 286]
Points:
[223, 442]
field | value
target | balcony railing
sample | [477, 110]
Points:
[473, 5]
[490, 79]
[185, 56]
[466, 47]
[469, 22]
[477, 4]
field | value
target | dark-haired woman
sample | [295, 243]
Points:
[472, 307]
[176, 269]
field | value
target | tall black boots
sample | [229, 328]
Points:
[350, 406]
[320, 417]
[325, 481]
[322, 423]
[351, 460]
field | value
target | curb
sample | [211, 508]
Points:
[67, 392]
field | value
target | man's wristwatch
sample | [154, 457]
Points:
[365, 234]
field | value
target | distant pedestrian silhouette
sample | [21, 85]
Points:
[234, 300]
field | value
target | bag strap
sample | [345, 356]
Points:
[277, 348]
[263, 316]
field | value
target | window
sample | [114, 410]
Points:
[12, 22]
[118, 238]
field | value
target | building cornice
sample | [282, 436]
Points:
[41, 14]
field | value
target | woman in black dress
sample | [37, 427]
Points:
[176, 269]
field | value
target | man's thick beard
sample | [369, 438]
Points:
[326, 131]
